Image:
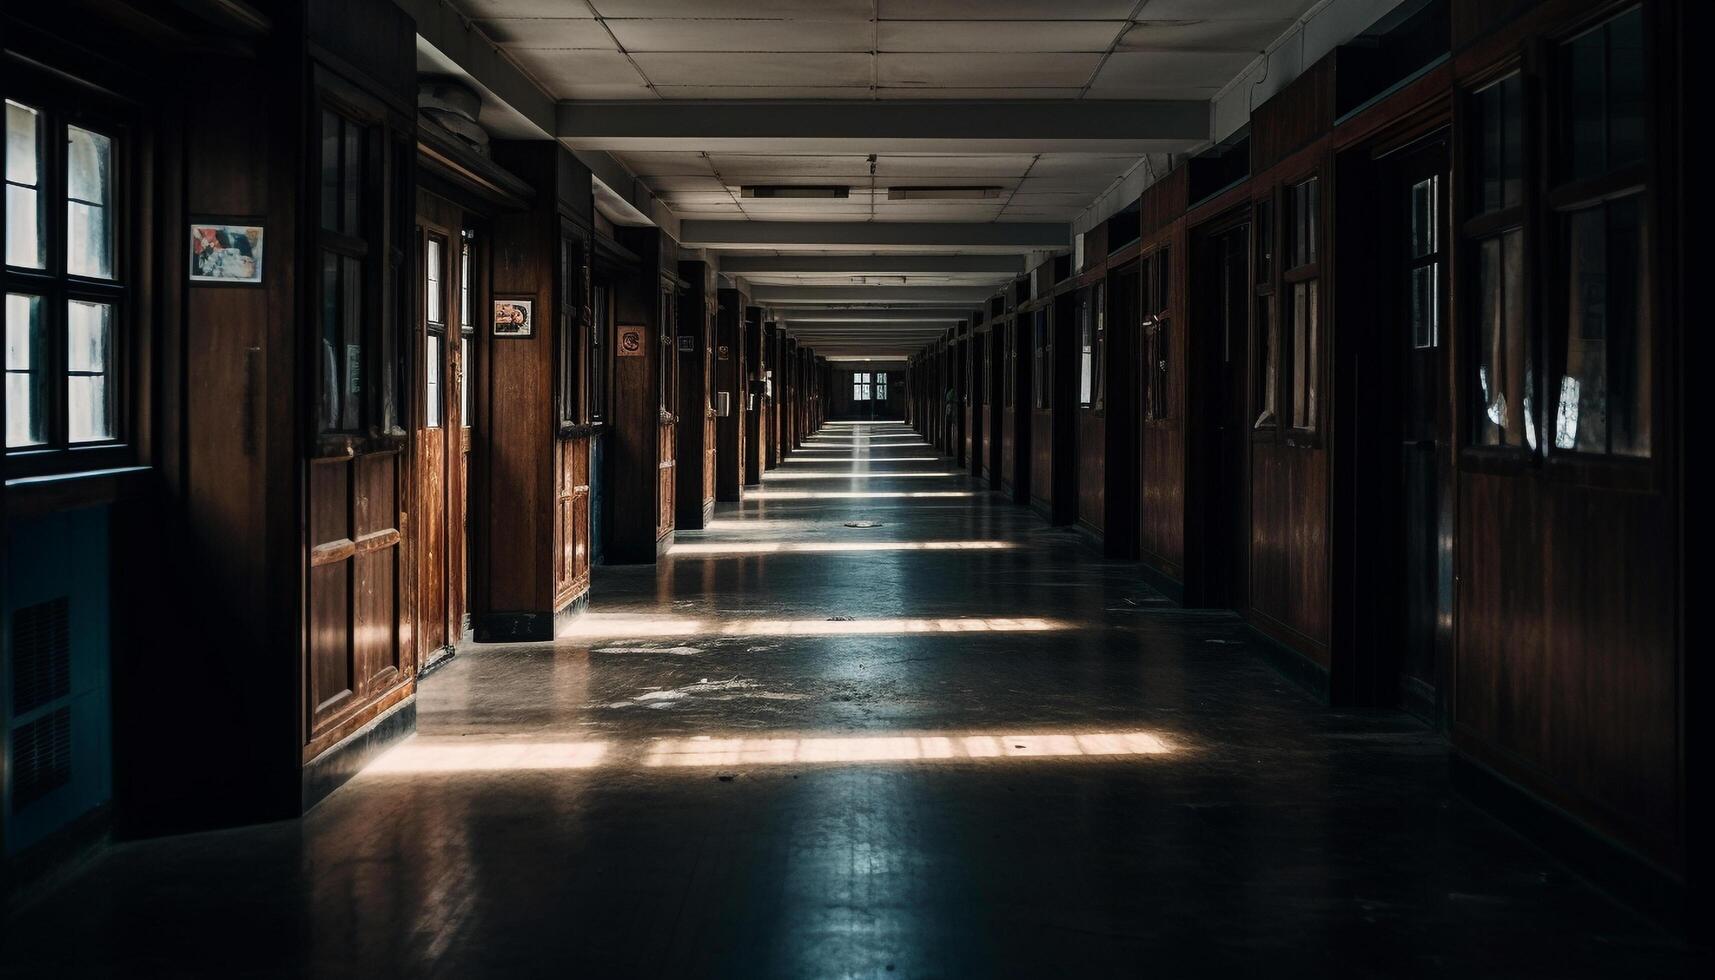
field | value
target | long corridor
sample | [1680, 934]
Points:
[872, 722]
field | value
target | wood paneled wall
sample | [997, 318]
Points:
[533, 459]
[1567, 673]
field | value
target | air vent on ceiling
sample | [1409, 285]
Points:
[41, 654]
[794, 191]
[972, 193]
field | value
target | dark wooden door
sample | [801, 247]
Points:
[979, 401]
[359, 585]
[1218, 534]
[1418, 191]
[435, 428]
[667, 445]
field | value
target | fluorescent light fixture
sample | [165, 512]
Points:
[970, 193]
[794, 191]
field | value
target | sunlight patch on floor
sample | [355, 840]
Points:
[901, 748]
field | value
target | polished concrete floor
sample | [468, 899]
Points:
[874, 722]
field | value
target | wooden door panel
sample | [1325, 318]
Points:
[432, 528]
[333, 674]
[668, 474]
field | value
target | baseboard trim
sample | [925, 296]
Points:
[1629, 877]
[1305, 673]
[1162, 582]
[347, 757]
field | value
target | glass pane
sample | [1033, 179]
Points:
[25, 239]
[26, 392]
[467, 380]
[1504, 375]
[1267, 360]
[1582, 96]
[1426, 217]
[1497, 145]
[467, 316]
[432, 383]
[351, 334]
[1603, 397]
[89, 228]
[1626, 89]
[1300, 352]
[1264, 243]
[1426, 305]
[332, 128]
[89, 378]
[1304, 219]
[432, 286]
[351, 179]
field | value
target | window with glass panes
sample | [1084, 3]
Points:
[435, 317]
[1042, 355]
[1600, 334]
[467, 329]
[600, 324]
[1503, 415]
[1158, 334]
[1300, 281]
[66, 289]
[1266, 393]
[1086, 349]
[861, 386]
[342, 269]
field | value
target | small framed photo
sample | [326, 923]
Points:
[514, 317]
[226, 253]
[630, 342]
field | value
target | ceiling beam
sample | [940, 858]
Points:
[901, 126]
[904, 235]
[892, 265]
[972, 296]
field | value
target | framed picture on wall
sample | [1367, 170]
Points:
[226, 253]
[630, 342]
[514, 317]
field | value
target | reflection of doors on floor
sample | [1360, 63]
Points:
[1217, 555]
[1417, 189]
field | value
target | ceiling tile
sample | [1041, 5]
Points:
[921, 92]
[998, 35]
[490, 9]
[651, 163]
[742, 92]
[742, 35]
[792, 69]
[1091, 164]
[1005, 9]
[786, 165]
[1133, 70]
[1224, 9]
[547, 32]
[1088, 188]
[1073, 199]
[687, 183]
[565, 72]
[996, 164]
[1203, 35]
[985, 70]
[752, 9]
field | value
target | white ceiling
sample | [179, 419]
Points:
[870, 50]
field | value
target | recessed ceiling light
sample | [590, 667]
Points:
[783, 191]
